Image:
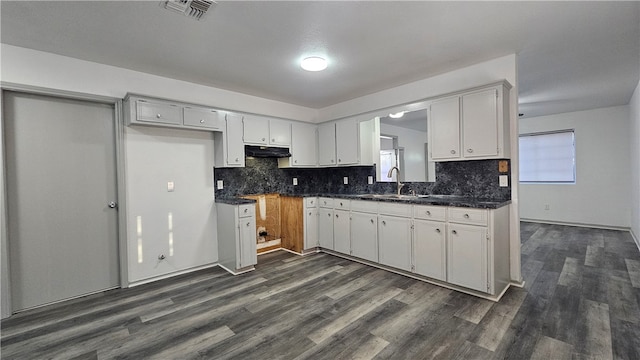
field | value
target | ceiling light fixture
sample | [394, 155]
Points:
[314, 63]
[397, 115]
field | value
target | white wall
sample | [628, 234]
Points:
[600, 195]
[155, 156]
[413, 142]
[634, 136]
[36, 68]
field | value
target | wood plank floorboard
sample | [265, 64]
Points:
[581, 300]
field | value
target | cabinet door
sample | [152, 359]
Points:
[364, 236]
[341, 234]
[325, 228]
[429, 249]
[311, 228]
[480, 124]
[247, 253]
[327, 144]
[467, 256]
[347, 144]
[394, 241]
[304, 144]
[234, 144]
[201, 117]
[444, 129]
[158, 112]
[279, 132]
[256, 130]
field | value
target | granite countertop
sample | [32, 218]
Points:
[437, 200]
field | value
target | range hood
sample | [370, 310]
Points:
[266, 151]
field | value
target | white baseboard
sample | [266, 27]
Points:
[566, 223]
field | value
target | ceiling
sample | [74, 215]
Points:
[571, 55]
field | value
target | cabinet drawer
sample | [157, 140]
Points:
[205, 118]
[343, 204]
[246, 210]
[403, 210]
[468, 216]
[325, 202]
[158, 112]
[429, 212]
[364, 206]
[311, 202]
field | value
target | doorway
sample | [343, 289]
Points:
[61, 198]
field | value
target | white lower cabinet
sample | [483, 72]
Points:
[237, 237]
[341, 232]
[394, 241]
[311, 236]
[364, 236]
[325, 228]
[467, 256]
[430, 249]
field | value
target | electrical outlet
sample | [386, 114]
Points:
[295, 181]
[345, 180]
[370, 180]
[220, 185]
[504, 180]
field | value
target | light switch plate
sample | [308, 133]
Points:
[219, 184]
[295, 181]
[504, 181]
[370, 180]
[345, 180]
[170, 186]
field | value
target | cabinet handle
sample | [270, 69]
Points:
[453, 151]
[469, 150]
[428, 212]
[158, 116]
[466, 216]
[454, 232]
[201, 121]
[438, 231]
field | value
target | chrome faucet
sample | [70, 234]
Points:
[390, 174]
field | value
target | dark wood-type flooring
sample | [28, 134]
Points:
[581, 301]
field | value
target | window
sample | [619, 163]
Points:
[548, 157]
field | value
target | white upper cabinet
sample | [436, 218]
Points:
[260, 130]
[256, 130]
[228, 145]
[480, 124]
[471, 125]
[444, 129]
[304, 146]
[339, 143]
[347, 142]
[279, 132]
[327, 144]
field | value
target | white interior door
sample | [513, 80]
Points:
[61, 179]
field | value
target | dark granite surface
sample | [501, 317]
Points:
[475, 183]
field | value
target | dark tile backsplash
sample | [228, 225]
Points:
[477, 179]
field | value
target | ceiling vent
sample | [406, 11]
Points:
[195, 9]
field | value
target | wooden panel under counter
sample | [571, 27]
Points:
[292, 223]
